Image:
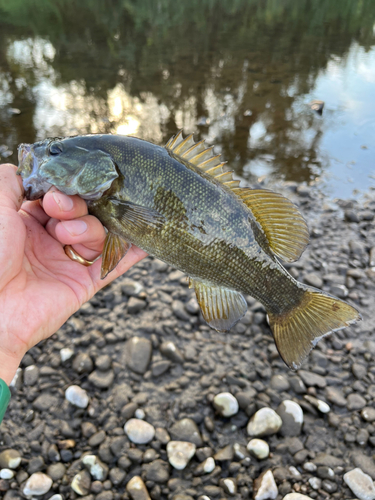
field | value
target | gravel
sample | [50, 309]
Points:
[140, 348]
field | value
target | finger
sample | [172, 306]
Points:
[87, 231]
[34, 209]
[61, 206]
[11, 188]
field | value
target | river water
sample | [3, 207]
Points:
[240, 74]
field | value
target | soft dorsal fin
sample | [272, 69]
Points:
[198, 154]
[281, 221]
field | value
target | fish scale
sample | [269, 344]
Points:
[178, 204]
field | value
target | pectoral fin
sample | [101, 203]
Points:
[115, 248]
[221, 307]
[136, 216]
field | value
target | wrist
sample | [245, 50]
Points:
[8, 366]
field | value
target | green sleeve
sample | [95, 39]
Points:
[4, 398]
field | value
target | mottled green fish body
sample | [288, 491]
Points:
[177, 203]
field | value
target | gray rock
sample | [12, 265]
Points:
[327, 460]
[335, 396]
[264, 423]
[355, 402]
[102, 380]
[137, 489]
[138, 354]
[186, 430]
[131, 288]
[45, 402]
[368, 414]
[157, 471]
[360, 484]
[364, 462]
[37, 484]
[160, 367]
[103, 362]
[97, 438]
[139, 431]
[10, 459]
[312, 379]
[180, 453]
[56, 471]
[279, 383]
[135, 305]
[30, 375]
[292, 417]
[36, 464]
[225, 454]
[116, 475]
[179, 311]
[82, 363]
[313, 280]
[170, 351]
[297, 385]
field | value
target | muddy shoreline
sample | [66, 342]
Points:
[140, 349]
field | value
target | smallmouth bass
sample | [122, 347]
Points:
[177, 204]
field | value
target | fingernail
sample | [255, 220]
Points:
[75, 227]
[64, 202]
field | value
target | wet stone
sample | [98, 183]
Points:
[264, 423]
[258, 449]
[136, 305]
[77, 396]
[31, 375]
[296, 496]
[157, 471]
[279, 383]
[364, 462]
[82, 363]
[265, 487]
[229, 485]
[170, 351]
[312, 379]
[335, 396]
[160, 367]
[224, 454]
[45, 402]
[292, 417]
[368, 414]
[139, 351]
[56, 471]
[355, 402]
[103, 362]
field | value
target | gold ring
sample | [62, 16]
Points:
[73, 255]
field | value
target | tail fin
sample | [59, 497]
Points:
[298, 331]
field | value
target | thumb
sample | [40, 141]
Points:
[11, 188]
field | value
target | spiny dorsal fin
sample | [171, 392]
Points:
[202, 157]
[281, 221]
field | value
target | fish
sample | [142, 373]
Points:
[180, 205]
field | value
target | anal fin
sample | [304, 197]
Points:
[221, 307]
[115, 248]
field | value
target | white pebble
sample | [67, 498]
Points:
[229, 483]
[208, 465]
[37, 484]
[309, 467]
[139, 413]
[258, 448]
[322, 406]
[315, 483]
[295, 472]
[267, 488]
[66, 354]
[293, 409]
[139, 431]
[97, 470]
[226, 404]
[6, 474]
[77, 396]
[264, 423]
[296, 496]
[56, 497]
[179, 453]
[360, 483]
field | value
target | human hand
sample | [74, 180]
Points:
[40, 286]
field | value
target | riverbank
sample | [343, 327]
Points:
[140, 349]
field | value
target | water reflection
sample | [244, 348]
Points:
[240, 74]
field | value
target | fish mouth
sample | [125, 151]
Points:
[34, 184]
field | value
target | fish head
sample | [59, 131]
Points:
[69, 164]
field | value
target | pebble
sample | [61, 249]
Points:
[258, 448]
[180, 453]
[37, 484]
[137, 489]
[10, 459]
[355, 402]
[368, 414]
[139, 351]
[6, 474]
[102, 380]
[292, 418]
[315, 483]
[170, 351]
[139, 431]
[81, 483]
[361, 484]
[56, 497]
[77, 396]
[279, 383]
[229, 485]
[66, 354]
[56, 471]
[97, 469]
[30, 375]
[264, 423]
[296, 496]
[226, 404]
[186, 430]
[82, 363]
[158, 471]
[136, 305]
[265, 487]
[335, 396]
[312, 379]
[320, 405]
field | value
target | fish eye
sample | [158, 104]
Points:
[55, 148]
